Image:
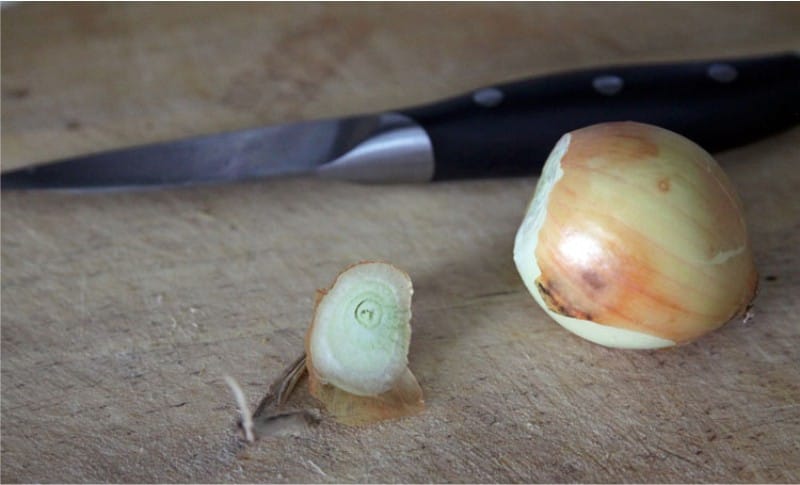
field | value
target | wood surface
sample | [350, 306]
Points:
[121, 313]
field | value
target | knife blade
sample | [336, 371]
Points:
[496, 131]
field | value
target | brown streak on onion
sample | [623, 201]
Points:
[557, 303]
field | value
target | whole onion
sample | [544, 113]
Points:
[635, 238]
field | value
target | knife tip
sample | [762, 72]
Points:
[15, 179]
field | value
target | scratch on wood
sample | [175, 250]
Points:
[82, 298]
[770, 359]
[36, 236]
[316, 468]
[497, 293]
[679, 456]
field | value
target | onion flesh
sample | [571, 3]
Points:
[357, 346]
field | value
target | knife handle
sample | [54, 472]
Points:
[508, 130]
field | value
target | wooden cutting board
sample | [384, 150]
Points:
[121, 313]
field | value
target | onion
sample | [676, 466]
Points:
[635, 238]
[357, 346]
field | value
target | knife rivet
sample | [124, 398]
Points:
[488, 97]
[608, 85]
[723, 73]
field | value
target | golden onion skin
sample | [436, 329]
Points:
[636, 238]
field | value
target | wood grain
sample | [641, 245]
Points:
[122, 312]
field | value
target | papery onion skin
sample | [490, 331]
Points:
[636, 238]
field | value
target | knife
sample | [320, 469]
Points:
[497, 131]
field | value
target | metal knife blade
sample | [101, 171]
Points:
[504, 130]
[366, 148]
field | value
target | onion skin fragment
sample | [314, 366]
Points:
[636, 238]
[357, 394]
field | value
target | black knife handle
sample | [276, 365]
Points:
[508, 130]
